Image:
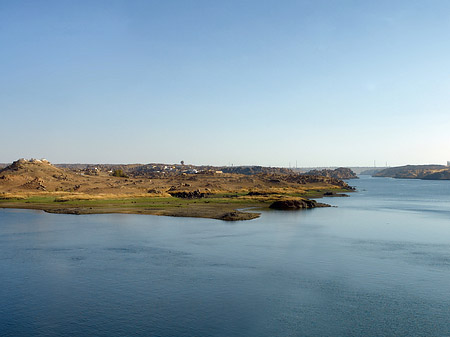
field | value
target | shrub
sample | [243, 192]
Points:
[119, 173]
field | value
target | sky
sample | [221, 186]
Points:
[273, 83]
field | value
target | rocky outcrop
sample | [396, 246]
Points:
[304, 179]
[24, 163]
[35, 184]
[188, 195]
[295, 204]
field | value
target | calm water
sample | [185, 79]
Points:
[377, 265]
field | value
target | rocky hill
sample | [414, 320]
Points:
[40, 175]
[36, 174]
[428, 172]
[339, 173]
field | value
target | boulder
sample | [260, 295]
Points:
[293, 204]
[188, 195]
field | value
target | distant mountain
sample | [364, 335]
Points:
[428, 172]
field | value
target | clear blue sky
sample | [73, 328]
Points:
[257, 82]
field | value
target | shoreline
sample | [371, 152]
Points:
[220, 208]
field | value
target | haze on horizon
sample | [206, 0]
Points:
[323, 83]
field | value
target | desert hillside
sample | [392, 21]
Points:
[40, 175]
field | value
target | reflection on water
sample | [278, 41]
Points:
[377, 265]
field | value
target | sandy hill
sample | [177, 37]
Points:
[40, 175]
[32, 167]
[35, 174]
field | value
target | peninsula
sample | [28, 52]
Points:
[426, 172]
[174, 190]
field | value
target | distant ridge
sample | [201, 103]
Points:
[427, 172]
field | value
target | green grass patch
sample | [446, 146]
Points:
[36, 199]
[154, 202]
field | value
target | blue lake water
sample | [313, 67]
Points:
[376, 265]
